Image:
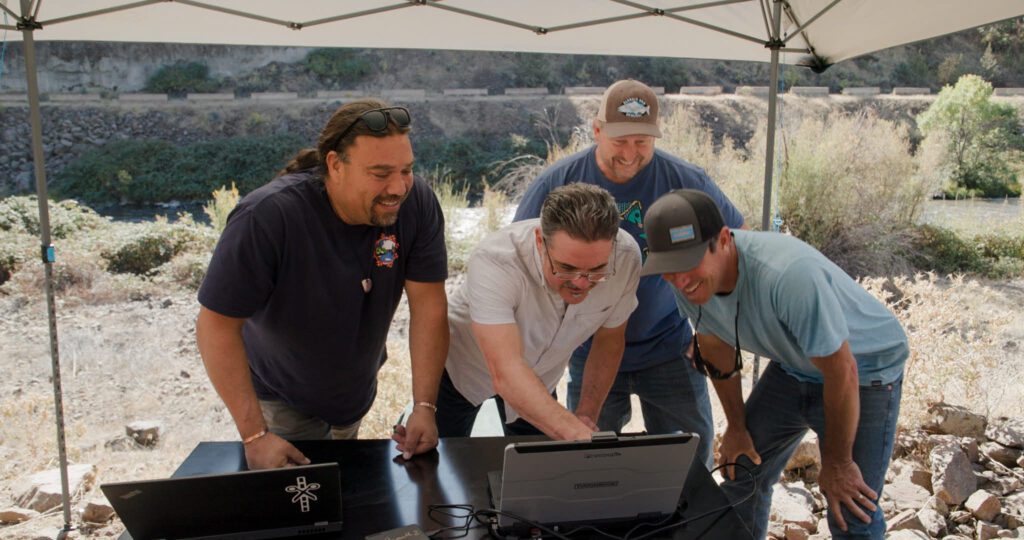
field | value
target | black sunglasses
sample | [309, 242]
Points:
[376, 120]
[705, 367]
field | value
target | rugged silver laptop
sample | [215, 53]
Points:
[272, 503]
[607, 480]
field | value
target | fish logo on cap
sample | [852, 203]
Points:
[634, 108]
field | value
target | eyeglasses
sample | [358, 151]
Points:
[705, 367]
[376, 120]
[593, 277]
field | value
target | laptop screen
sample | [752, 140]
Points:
[250, 504]
[617, 479]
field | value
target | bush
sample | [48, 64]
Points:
[979, 139]
[153, 245]
[155, 171]
[67, 217]
[223, 202]
[338, 65]
[990, 255]
[181, 78]
[469, 160]
[848, 186]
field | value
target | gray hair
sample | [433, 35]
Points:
[584, 211]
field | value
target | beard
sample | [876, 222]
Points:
[385, 219]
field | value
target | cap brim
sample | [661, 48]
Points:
[622, 129]
[669, 262]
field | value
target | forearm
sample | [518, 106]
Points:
[520, 387]
[220, 345]
[428, 349]
[842, 404]
[842, 414]
[730, 394]
[600, 371]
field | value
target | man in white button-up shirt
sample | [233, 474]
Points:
[535, 290]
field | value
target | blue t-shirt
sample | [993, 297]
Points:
[795, 304]
[656, 332]
[294, 270]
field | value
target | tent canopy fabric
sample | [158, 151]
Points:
[834, 30]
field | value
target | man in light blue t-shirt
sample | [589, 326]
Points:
[655, 365]
[837, 357]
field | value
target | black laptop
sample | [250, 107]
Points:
[273, 503]
[610, 480]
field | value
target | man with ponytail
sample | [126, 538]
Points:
[304, 282]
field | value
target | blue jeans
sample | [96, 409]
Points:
[455, 414]
[673, 398]
[780, 410]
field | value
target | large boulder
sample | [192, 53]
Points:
[793, 504]
[807, 453]
[1008, 432]
[906, 495]
[984, 505]
[1001, 454]
[952, 476]
[954, 420]
[42, 491]
[16, 515]
[932, 522]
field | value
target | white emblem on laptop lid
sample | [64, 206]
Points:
[303, 492]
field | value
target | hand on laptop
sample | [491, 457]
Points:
[272, 452]
[418, 435]
[736, 443]
[588, 421]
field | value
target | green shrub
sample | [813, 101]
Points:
[941, 250]
[156, 171]
[338, 65]
[181, 78]
[471, 159]
[979, 138]
[67, 217]
[152, 245]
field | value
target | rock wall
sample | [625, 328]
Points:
[83, 66]
[70, 129]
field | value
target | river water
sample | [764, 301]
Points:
[970, 215]
[975, 215]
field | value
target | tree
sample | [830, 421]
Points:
[981, 139]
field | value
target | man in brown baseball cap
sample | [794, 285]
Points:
[656, 365]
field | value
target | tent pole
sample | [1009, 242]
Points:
[775, 43]
[28, 26]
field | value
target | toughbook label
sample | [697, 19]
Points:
[593, 485]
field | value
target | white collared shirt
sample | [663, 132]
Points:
[505, 285]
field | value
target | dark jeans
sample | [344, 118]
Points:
[456, 415]
[780, 410]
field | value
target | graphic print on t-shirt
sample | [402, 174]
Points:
[631, 213]
[385, 250]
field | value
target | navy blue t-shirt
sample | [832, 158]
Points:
[294, 270]
[656, 332]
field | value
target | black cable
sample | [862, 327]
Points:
[485, 517]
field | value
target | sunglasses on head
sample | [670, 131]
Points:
[706, 368]
[376, 120]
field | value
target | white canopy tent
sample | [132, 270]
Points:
[819, 32]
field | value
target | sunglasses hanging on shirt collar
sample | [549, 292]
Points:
[705, 367]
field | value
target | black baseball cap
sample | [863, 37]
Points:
[679, 226]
